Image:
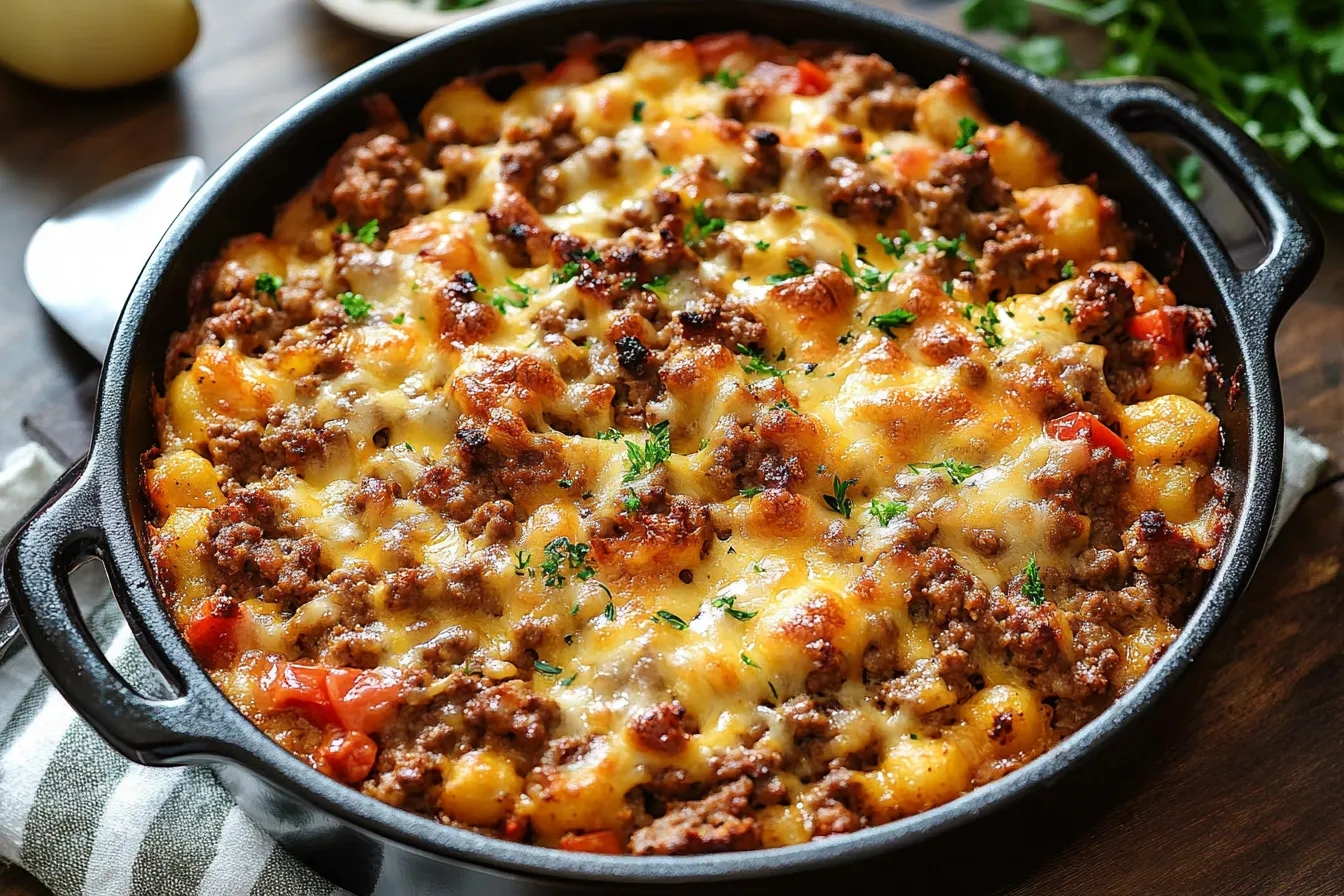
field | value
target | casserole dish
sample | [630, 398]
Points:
[366, 846]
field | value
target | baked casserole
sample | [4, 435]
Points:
[742, 446]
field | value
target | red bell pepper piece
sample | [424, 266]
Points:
[347, 756]
[604, 842]
[1082, 425]
[363, 700]
[1162, 328]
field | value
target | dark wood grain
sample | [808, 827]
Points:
[1232, 787]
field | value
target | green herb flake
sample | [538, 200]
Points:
[797, 268]
[368, 233]
[749, 661]
[399, 319]
[546, 668]
[888, 321]
[655, 450]
[637, 113]
[762, 245]
[268, 283]
[630, 501]
[967, 129]
[1068, 271]
[567, 272]
[895, 248]
[566, 682]
[671, 619]
[1068, 315]
[610, 435]
[559, 552]
[657, 286]
[725, 603]
[987, 324]
[522, 565]
[724, 77]
[354, 305]
[756, 362]
[838, 500]
[866, 276]
[884, 511]
[1032, 587]
[956, 471]
[751, 492]
[701, 225]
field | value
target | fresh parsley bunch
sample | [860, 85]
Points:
[1275, 67]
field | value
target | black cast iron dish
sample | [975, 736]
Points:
[97, 509]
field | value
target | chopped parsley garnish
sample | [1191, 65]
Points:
[546, 668]
[268, 283]
[704, 443]
[669, 170]
[762, 245]
[949, 287]
[949, 246]
[657, 286]
[610, 435]
[888, 321]
[560, 551]
[399, 319]
[784, 404]
[671, 619]
[568, 271]
[343, 229]
[723, 76]
[957, 471]
[885, 511]
[756, 362]
[701, 225]
[866, 277]
[590, 253]
[629, 283]
[838, 500]
[501, 301]
[354, 305]
[408, 446]
[609, 610]
[1068, 270]
[968, 128]
[522, 565]
[725, 603]
[987, 325]
[565, 483]
[630, 501]
[895, 248]
[1032, 588]
[637, 113]
[749, 661]
[643, 458]
[566, 682]
[751, 492]
[797, 268]
[368, 233]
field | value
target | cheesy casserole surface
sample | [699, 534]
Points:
[740, 447]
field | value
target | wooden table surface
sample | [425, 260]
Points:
[1234, 786]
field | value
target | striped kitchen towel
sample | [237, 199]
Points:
[83, 820]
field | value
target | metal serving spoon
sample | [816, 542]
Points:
[115, 228]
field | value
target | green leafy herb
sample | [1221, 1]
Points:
[838, 500]
[967, 129]
[701, 225]
[637, 113]
[884, 511]
[610, 435]
[723, 76]
[895, 248]
[1068, 315]
[1032, 588]
[762, 245]
[399, 319]
[866, 276]
[987, 324]
[749, 661]
[368, 233]
[630, 501]
[655, 450]
[956, 471]
[756, 362]
[354, 305]
[609, 610]
[671, 619]
[268, 283]
[546, 668]
[523, 565]
[657, 286]
[888, 321]
[568, 271]
[561, 551]
[669, 170]
[1067, 272]
[949, 287]
[725, 603]
[565, 483]
[344, 229]
[797, 268]
[751, 492]
[522, 295]
[569, 680]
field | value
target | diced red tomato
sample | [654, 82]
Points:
[812, 81]
[212, 632]
[347, 756]
[577, 69]
[298, 686]
[1082, 425]
[515, 828]
[1162, 328]
[363, 701]
[712, 49]
[604, 842]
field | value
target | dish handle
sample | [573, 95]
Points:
[64, 530]
[1295, 242]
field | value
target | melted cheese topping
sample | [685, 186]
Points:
[929, 433]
